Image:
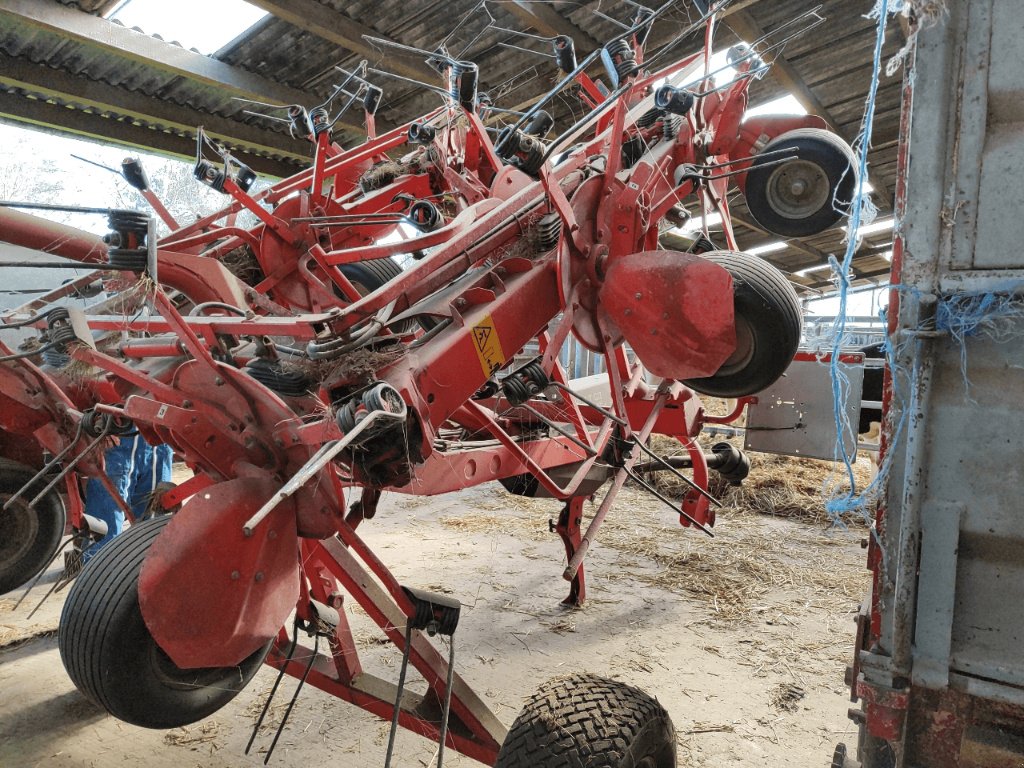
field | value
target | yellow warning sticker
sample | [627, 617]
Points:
[488, 346]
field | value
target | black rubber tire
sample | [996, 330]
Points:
[111, 657]
[368, 276]
[768, 326]
[28, 537]
[585, 721]
[371, 275]
[834, 159]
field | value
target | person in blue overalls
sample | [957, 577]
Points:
[135, 468]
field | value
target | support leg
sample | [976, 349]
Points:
[568, 529]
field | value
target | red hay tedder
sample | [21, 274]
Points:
[304, 365]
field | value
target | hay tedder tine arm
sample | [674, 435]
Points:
[476, 731]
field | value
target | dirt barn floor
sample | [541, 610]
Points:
[743, 639]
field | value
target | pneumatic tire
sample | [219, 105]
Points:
[808, 194]
[585, 721]
[28, 536]
[112, 658]
[768, 327]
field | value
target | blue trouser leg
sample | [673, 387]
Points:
[152, 465]
[119, 468]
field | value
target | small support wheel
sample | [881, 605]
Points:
[587, 721]
[112, 658]
[768, 326]
[807, 194]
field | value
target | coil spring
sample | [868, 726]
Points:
[95, 424]
[519, 386]
[649, 118]
[425, 216]
[462, 84]
[128, 235]
[624, 59]
[433, 613]
[381, 397]
[271, 375]
[549, 230]
[320, 119]
[670, 125]
[59, 329]
[523, 151]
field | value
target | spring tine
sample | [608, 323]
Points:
[678, 510]
[604, 412]
[588, 449]
[382, 43]
[266, 117]
[344, 109]
[295, 696]
[45, 598]
[261, 103]
[769, 153]
[678, 474]
[446, 709]
[409, 80]
[398, 696]
[273, 690]
[606, 17]
[519, 33]
[46, 468]
[526, 50]
[69, 466]
[41, 573]
[98, 165]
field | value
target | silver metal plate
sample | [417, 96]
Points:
[794, 417]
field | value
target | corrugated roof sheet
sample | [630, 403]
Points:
[834, 61]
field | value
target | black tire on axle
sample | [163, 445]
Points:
[808, 194]
[768, 327]
[28, 536]
[586, 721]
[112, 658]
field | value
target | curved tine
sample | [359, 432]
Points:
[434, 88]
[527, 50]
[518, 33]
[277, 682]
[606, 17]
[42, 573]
[344, 109]
[382, 43]
[263, 103]
[72, 464]
[295, 696]
[267, 117]
[339, 88]
[46, 467]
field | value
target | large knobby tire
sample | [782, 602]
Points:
[808, 194]
[28, 536]
[111, 657]
[585, 721]
[768, 327]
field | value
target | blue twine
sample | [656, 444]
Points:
[851, 501]
[983, 313]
